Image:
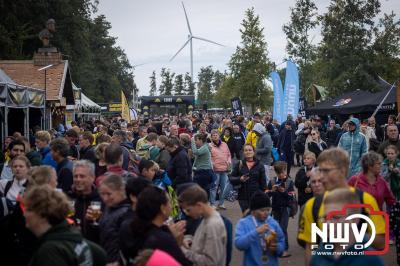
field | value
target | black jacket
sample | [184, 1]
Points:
[82, 202]
[88, 154]
[239, 140]
[331, 136]
[110, 224]
[179, 167]
[160, 238]
[255, 182]
[302, 182]
[286, 140]
[230, 143]
[34, 157]
[280, 199]
[64, 175]
[17, 243]
[126, 237]
[313, 147]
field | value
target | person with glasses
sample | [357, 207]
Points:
[259, 235]
[317, 145]
[337, 200]
[333, 166]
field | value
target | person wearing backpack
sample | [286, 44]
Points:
[10, 189]
[281, 189]
[333, 165]
[334, 201]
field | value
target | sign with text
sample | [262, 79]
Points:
[236, 106]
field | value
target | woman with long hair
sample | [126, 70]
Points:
[249, 175]
[153, 209]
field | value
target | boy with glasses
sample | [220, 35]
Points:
[333, 165]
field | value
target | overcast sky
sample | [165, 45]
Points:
[152, 31]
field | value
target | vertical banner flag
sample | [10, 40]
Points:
[125, 113]
[292, 90]
[236, 106]
[278, 96]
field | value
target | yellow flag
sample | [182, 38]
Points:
[125, 108]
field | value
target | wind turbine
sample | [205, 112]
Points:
[190, 41]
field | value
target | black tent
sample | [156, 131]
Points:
[358, 101]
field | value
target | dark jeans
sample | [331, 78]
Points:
[288, 157]
[204, 179]
[282, 217]
[244, 205]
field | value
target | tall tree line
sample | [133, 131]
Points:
[97, 64]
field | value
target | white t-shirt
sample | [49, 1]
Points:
[15, 189]
[6, 173]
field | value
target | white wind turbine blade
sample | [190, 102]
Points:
[183, 46]
[202, 39]
[187, 20]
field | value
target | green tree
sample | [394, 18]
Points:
[205, 85]
[97, 64]
[179, 85]
[218, 80]
[386, 48]
[189, 85]
[153, 84]
[224, 93]
[345, 55]
[303, 19]
[250, 64]
[166, 85]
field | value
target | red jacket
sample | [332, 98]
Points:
[379, 190]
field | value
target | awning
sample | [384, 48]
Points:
[358, 101]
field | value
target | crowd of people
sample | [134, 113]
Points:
[152, 191]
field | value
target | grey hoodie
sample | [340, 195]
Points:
[264, 145]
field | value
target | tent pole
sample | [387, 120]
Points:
[384, 98]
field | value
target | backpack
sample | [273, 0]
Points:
[318, 202]
[6, 205]
[293, 204]
[299, 144]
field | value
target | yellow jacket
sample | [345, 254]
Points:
[252, 139]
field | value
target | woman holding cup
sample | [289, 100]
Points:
[112, 193]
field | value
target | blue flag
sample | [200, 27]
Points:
[292, 90]
[278, 96]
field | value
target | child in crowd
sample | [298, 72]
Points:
[280, 189]
[208, 246]
[259, 235]
[302, 181]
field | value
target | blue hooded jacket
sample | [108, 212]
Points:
[248, 240]
[47, 159]
[356, 145]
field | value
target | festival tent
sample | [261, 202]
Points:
[356, 102]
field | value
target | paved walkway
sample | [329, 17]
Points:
[297, 259]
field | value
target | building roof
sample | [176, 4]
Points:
[25, 73]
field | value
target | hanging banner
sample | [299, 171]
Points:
[236, 106]
[292, 90]
[278, 97]
[125, 113]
